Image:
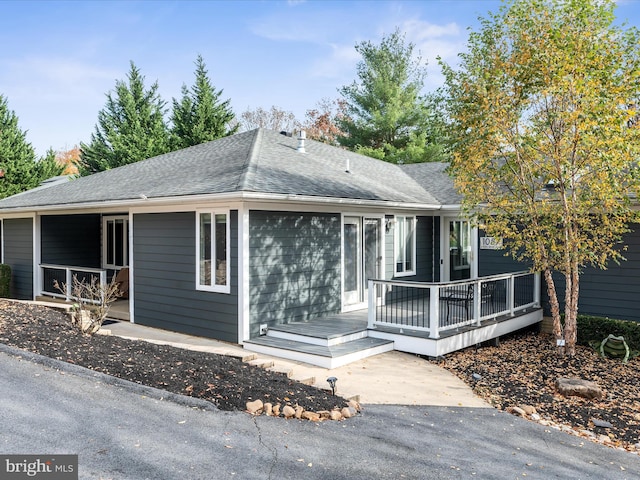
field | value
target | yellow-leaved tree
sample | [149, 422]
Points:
[542, 109]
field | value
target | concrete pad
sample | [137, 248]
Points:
[393, 378]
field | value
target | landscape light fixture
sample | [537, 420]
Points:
[332, 383]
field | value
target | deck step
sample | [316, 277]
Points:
[323, 356]
[326, 332]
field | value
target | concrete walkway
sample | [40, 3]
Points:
[394, 378]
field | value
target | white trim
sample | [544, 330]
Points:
[131, 275]
[125, 241]
[413, 271]
[176, 201]
[2, 238]
[37, 256]
[444, 247]
[445, 272]
[381, 265]
[244, 305]
[214, 288]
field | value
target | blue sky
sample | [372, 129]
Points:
[61, 58]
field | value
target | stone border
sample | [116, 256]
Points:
[258, 407]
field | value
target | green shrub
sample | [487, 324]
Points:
[5, 281]
[592, 329]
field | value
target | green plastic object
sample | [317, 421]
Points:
[615, 347]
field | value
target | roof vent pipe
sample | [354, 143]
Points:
[301, 138]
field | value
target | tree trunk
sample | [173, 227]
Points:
[555, 308]
[571, 311]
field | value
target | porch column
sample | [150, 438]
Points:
[434, 311]
[371, 312]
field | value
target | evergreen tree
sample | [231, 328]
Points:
[385, 115]
[200, 116]
[131, 127]
[20, 169]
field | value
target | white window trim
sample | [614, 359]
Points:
[404, 273]
[125, 250]
[214, 288]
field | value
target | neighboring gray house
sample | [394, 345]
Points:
[262, 230]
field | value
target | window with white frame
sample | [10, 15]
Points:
[212, 249]
[405, 245]
[115, 242]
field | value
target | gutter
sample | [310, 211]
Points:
[231, 196]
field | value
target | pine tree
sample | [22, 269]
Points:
[385, 116]
[131, 127]
[200, 116]
[20, 169]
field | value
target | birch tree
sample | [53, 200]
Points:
[546, 149]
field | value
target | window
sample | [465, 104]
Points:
[115, 242]
[405, 245]
[212, 240]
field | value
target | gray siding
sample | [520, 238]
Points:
[165, 295]
[294, 271]
[493, 262]
[18, 254]
[71, 240]
[427, 254]
[613, 293]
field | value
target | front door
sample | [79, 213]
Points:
[361, 257]
[459, 259]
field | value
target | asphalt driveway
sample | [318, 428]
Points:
[125, 431]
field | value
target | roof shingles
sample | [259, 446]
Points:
[261, 161]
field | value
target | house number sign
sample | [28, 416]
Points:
[490, 243]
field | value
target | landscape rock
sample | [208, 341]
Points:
[571, 386]
[535, 417]
[324, 414]
[255, 407]
[601, 423]
[288, 411]
[298, 412]
[335, 415]
[355, 405]
[268, 409]
[516, 411]
[346, 412]
[313, 416]
[529, 409]
[276, 410]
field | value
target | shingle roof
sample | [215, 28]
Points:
[260, 160]
[434, 179]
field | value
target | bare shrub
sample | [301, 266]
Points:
[92, 301]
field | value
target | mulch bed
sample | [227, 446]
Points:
[226, 381]
[523, 370]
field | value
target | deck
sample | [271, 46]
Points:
[430, 319]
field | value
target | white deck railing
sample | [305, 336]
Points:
[64, 274]
[442, 306]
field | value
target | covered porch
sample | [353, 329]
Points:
[425, 318]
[55, 283]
